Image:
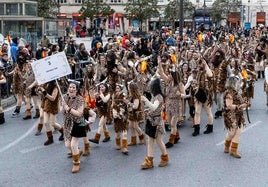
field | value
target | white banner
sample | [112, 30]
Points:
[51, 68]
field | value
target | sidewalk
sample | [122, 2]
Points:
[7, 102]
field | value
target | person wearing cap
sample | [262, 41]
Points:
[234, 120]
[2, 81]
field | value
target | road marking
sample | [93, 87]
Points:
[28, 150]
[19, 139]
[245, 129]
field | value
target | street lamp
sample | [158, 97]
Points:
[181, 19]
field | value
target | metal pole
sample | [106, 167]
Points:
[181, 18]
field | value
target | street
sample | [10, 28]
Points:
[194, 161]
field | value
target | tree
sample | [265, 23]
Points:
[95, 8]
[172, 10]
[141, 10]
[221, 9]
[47, 8]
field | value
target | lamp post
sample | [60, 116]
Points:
[181, 18]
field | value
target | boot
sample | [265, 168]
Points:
[164, 160]
[28, 114]
[2, 118]
[76, 163]
[148, 163]
[227, 146]
[124, 146]
[234, 151]
[16, 112]
[37, 113]
[171, 141]
[96, 138]
[133, 141]
[86, 149]
[118, 143]
[218, 114]
[177, 137]
[39, 129]
[50, 138]
[141, 138]
[61, 138]
[107, 136]
[209, 129]
[196, 130]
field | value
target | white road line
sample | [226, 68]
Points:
[27, 150]
[19, 139]
[245, 129]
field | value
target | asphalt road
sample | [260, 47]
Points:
[194, 161]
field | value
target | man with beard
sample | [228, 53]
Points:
[202, 88]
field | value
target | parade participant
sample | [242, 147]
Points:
[135, 113]
[233, 116]
[103, 111]
[2, 81]
[30, 92]
[18, 74]
[174, 105]
[266, 82]
[187, 78]
[101, 72]
[203, 97]
[154, 125]
[51, 100]
[74, 124]
[120, 120]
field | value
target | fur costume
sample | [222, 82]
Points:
[51, 107]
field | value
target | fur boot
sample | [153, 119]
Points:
[148, 163]
[177, 138]
[227, 144]
[124, 146]
[28, 114]
[142, 139]
[171, 141]
[50, 138]
[133, 141]
[76, 163]
[86, 149]
[164, 160]
[37, 113]
[118, 143]
[96, 138]
[234, 151]
[107, 136]
[39, 129]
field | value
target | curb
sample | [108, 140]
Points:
[7, 102]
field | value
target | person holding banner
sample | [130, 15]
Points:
[51, 100]
[74, 124]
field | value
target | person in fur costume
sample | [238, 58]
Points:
[234, 120]
[2, 81]
[155, 125]
[119, 109]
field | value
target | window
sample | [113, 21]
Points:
[2, 9]
[78, 1]
[12, 9]
[62, 1]
[30, 9]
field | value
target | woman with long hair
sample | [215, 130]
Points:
[135, 113]
[74, 125]
[155, 125]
